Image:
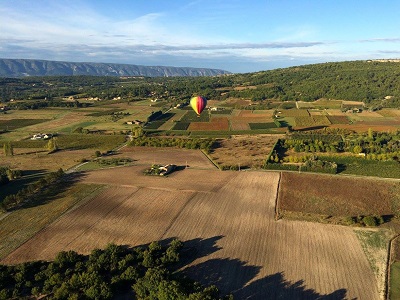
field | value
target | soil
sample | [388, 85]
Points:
[229, 218]
[250, 151]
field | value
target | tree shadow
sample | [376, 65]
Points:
[311, 128]
[275, 286]
[227, 274]
[192, 249]
[197, 248]
[50, 193]
[340, 168]
[37, 172]
[233, 276]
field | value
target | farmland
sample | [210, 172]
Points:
[328, 196]
[230, 216]
[248, 151]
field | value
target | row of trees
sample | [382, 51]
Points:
[189, 143]
[151, 273]
[375, 145]
[30, 194]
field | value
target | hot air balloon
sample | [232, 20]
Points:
[198, 103]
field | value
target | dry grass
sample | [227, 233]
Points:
[147, 155]
[240, 125]
[38, 159]
[250, 151]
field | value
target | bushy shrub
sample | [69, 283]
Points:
[370, 221]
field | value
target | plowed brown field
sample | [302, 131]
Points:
[229, 217]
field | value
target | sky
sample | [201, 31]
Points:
[235, 35]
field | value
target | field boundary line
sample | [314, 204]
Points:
[176, 216]
[388, 265]
[277, 198]
[78, 204]
[210, 159]
[100, 218]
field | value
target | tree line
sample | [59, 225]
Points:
[146, 272]
[188, 143]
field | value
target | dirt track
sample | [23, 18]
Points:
[229, 218]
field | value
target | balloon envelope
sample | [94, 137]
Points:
[198, 103]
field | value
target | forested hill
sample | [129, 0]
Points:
[376, 83]
[368, 81]
[28, 67]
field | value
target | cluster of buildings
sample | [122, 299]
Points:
[41, 136]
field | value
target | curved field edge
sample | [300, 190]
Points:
[19, 226]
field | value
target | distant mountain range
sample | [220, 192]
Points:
[33, 67]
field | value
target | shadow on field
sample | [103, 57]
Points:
[16, 185]
[233, 276]
[50, 193]
[276, 287]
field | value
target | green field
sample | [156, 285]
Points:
[191, 116]
[395, 281]
[19, 123]
[360, 166]
[181, 126]
[255, 126]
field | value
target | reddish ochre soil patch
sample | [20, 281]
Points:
[215, 124]
[337, 196]
[229, 218]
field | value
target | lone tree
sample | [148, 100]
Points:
[8, 149]
[52, 145]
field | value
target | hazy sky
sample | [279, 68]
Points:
[234, 35]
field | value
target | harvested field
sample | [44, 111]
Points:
[229, 218]
[338, 196]
[239, 125]
[335, 119]
[250, 151]
[386, 112]
[68, 119]
[217, 124]
[335, 112]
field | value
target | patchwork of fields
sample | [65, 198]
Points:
[230, 216]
